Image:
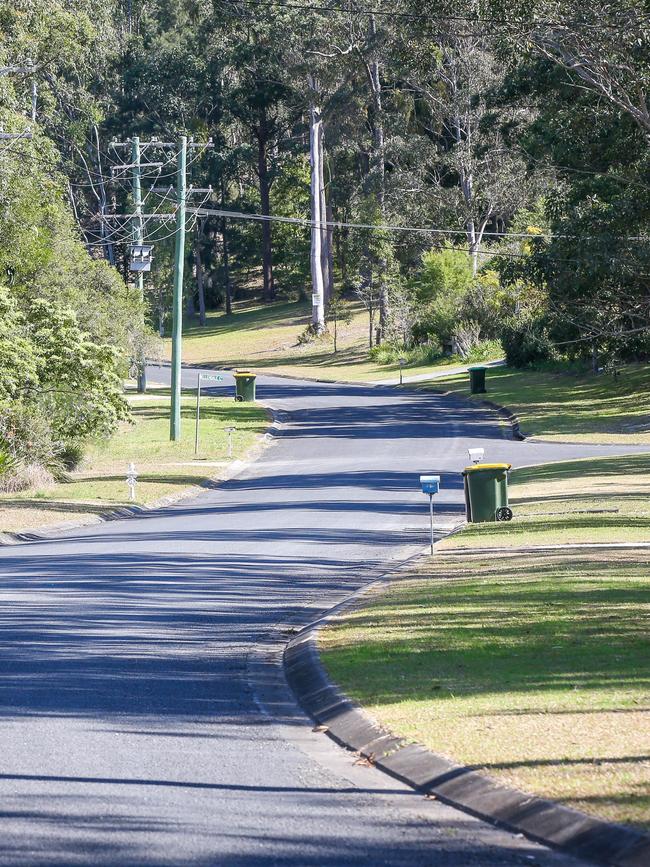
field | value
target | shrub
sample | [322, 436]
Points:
[7, 463]
[72, 454]
[390, 353]
[484, 351]
[26, 476]
[525, 341]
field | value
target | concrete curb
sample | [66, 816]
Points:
[463, 787]
[511, 417]
[53, 531]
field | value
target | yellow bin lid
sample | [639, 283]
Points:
[476, 468]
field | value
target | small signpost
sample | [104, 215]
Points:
[430, 485]
[476, 455]
[202, 377]
[402, 362]
[230, 431]
[131, 480]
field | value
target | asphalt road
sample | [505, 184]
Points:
[144, 719]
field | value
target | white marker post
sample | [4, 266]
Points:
[476, 455]
[430, 485]
[230, 431]
[131, 480]
[402, 362]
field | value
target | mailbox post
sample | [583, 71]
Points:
[430, 485]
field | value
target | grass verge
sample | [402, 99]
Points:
[265, 338]
[533, 667]
[165, 468]
[564, 406]
[591, 500]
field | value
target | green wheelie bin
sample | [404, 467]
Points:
[245, 385]
[477, 379]
[486, 493]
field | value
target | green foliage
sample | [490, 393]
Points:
[18, 369]
[79, 385]
[389, 353]
[446, 273]
[525, 341]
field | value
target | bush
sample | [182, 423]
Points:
[25, 477]
[7, 464]
[390, 353]
[484, 351]
[72, 454]
[525, 341]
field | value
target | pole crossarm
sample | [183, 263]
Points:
[12, 136]
[147, 217]
[155, 143]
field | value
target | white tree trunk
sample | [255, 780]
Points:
[318, 287]
[325, 239]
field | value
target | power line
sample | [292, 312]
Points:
[335, 224]
[411, 16]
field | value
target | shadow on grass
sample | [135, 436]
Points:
[574, 626]
[555, 402]
[557, 525]
[631, 465]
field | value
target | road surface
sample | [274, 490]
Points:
[144, 717]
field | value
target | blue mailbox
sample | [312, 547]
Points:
[430, 484]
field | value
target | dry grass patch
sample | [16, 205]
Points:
[164, 468]
[265, 338]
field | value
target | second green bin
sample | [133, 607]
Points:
[486, 492]
[244, 385]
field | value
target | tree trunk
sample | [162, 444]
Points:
[318, 289]
[265, 200]
[330, 248]
[326, 253]
[190, 309]
[226, 256]
[379, 172]
[226, 266]
[199, 275]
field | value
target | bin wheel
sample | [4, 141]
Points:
[239, 397]
[504, 514]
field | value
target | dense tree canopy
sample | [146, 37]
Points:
[508, 141]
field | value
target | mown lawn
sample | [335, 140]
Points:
[265, 338]
[163, 467]
[564, 406]
[532, 666]
[592, 500]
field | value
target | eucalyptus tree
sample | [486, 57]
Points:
[470, 177]
[585, 77]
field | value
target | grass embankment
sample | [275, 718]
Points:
[534, 667]
[570, 407]
[164, 468]
[593, 500]
[265, 338]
